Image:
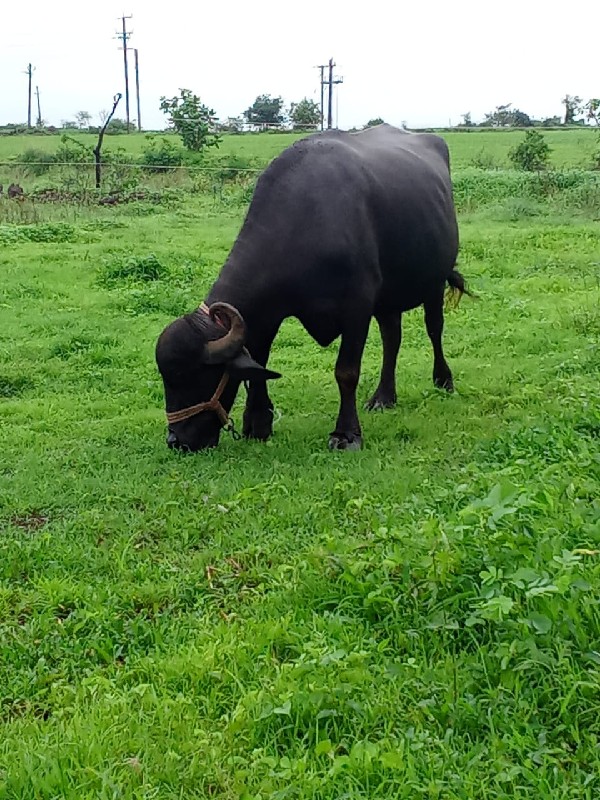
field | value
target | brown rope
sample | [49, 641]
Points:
[213, 404]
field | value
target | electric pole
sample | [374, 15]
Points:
[137, 89]
[39, 116]
[124, 36]
[331, 81]
[322, 82]
[29, 73]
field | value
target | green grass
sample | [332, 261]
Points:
[419, 619]
[570, 148]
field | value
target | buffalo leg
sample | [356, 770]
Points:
[347, 434]
[434, 322]
[258, 412]
[390, 327]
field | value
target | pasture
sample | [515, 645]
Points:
[490, 148]
[416, 620]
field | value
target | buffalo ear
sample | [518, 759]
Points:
[245, 368]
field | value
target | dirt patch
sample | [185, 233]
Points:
[30, 522]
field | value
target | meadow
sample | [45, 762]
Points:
[419, 619]
[489, 148]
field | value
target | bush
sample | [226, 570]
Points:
[38, 162]
[532, 153]
[484, 160]
[71, 151]
[236, 167]
[44, 232]
[133, 270]
[161, 154]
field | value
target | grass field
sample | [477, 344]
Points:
[569, 148]
[416, 620]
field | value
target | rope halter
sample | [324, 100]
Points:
[214, 404]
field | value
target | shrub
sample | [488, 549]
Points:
[532, 153]
[133, 270]
[161, 154]
[484, 160]
[37, 161]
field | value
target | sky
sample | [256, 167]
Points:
[420, 63]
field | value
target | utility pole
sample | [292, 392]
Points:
[137, 89]
[29, 73]
[322, 83]
[331, 81]
[124, 36]
[39, 116]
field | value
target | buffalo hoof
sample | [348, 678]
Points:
[258, 424]
[380, 401]
[444, 382]
[343, 441]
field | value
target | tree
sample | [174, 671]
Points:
[507, 117]
[101, 133]
[117, 125]
[305, 114]
[572, 104]
[551, 122]
[265, 110]
[467, 121]
[194, 122]
[532, 153]
[83, 118]
[373, 122]
[592, 110]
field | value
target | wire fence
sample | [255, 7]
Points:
[150, 167]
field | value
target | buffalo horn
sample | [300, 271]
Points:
[227, 347]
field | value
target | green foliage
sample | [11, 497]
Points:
[116, 126]
[37, 162]
[14, 385]
[235, 167]
[419, 619]
[132, 270]
[42, 232]
[73, 151]
[193, 121]
[265, 110]
[374, 122]
[161, 154]
[305, 114]
[532, 154]
[483, 159]
[506, 116]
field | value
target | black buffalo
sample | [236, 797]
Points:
[342, 227]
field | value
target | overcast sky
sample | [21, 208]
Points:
[425, 62]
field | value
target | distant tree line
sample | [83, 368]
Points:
[577, 112]
[198, 126]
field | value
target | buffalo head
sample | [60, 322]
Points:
[202, 360]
